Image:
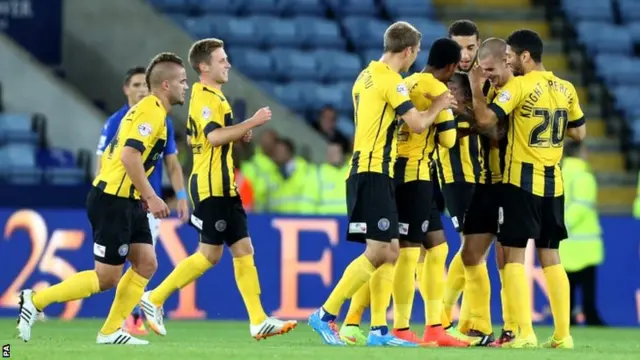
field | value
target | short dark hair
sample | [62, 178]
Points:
[165, 57]
[399, 36]
[463, 79]
[526, 40]
[572, 148]
[464, 28]
[289, 145]
[201, 52]
[444, 52]
[138, 70]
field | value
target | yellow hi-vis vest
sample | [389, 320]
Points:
[636, 203]
[262, 172]
[332, 190]
[289, 196]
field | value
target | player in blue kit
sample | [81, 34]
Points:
[135, 88]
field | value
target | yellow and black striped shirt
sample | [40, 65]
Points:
[379, 94]
[493, 152]
[143, 128]
[540, 107]
[463, 162]
[212, 174]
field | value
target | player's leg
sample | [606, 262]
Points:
[519, 220]
[413, 216]
[509, 327]
[372, 219]
[433, 284]
[106, 217]
[553, 231]
[480, 225]
[350, 331]
[208, 254]
[142, 257]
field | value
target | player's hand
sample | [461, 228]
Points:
[183, 210]
[158, 207]
[248, 136]
[444, 101]
[477, 76]
[262, 116]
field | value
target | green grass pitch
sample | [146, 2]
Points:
[58, 340]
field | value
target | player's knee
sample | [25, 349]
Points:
[379, 252]
[213, 253]
[146, 267]
[242, 247]
[108, 279]
[548, 257]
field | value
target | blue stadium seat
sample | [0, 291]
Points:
[255, 64]
[323, 95]
[16, 128]
[345, 126]
[634, 31]
[171, 5]
[368, 56]
[626, 99]
[302, 7]
[596, 10]
[353, 7]
[267, 86]
[618, 70]
[629, 10]
[400, 8]
[64, 176]
[18, 155]
[260, 7]
[295, 95]
[337, 65]
[292, 65]
[421, 60]
[600, 37]
[21, 175]
[431, 30]
[635, 127]
[216, 6]
[277, 32]
[319, 33]
[199, 27]
[237, 31]
[365, 33]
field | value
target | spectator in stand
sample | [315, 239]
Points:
[326, 125]
[261, 169]
[329, 184]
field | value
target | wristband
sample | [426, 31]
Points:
[181, 195]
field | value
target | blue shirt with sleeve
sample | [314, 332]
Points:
[110, 129]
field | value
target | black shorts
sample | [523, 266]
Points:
[414, 201]
[482, 214]
[435, 218]
[523, 216]
[117, 223]
[371, 208]
[220, 220]
[457, 197]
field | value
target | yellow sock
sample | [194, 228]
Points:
[128, 294]
[404, 286]
[381, 286]
[248, 283]
[508, 325]
[519, 297]
[434, 283]
[359, 302]
[78, 286]
[454, 285]
[477, 283]
[559, 297]
[186, 272]
[354, 276]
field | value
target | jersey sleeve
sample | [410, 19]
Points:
[507, 98]
[171, 148]
[576, 116]
[396, 94]
[108, 132]
[143, 130]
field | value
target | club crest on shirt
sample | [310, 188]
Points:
[144, 129]
[383, 224]
[402, 89]
[504, 96]
[206, 113]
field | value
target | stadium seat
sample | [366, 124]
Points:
[365, 33]
[267, 86]
[197, 27]
[598, 37]
[353, 7]
[635, 139]
[421, 60]
[255, 64]
[626, 71]
[634, 31]
[21, 175]
[345, 126]
[323, 95]
[293, 95]
[430, 30]
[236, 31]
[64, 176]
[260, 7]
[292, 65]
[277, 32]
[216, 6]
[319, 33]
[17, 155]
[400, 8]
[171, 5]
[626, 99]
[302, 7]
[596, 10]
[16, 128]
[337, 65]
[629, 10]
[55, 157]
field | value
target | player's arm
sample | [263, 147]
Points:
[107, 134]
[488, 118]
[218, 134]
[446, 128]
[418, 121]
[581, 203]
[141, 132]
[576, 128]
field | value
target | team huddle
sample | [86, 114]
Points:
[484, 123]
[492, 141]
